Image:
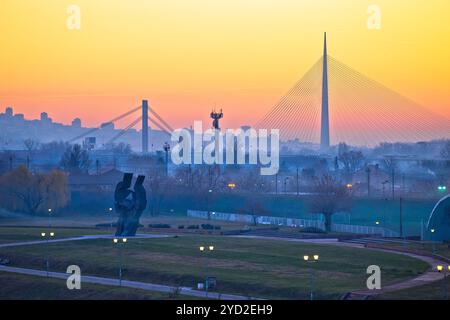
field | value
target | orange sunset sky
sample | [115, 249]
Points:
[187, 56]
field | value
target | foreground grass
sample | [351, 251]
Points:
[253, 267]
[25, 287]
[432, 291]
[426, 247]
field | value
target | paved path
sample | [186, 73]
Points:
[430, 276]
[91, 237]
[129, 284]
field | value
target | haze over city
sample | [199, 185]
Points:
[186, 57]
[253, 150]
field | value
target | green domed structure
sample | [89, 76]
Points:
[438, 227]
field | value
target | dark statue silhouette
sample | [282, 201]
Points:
[129, 204]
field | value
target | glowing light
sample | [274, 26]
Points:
[231, 185]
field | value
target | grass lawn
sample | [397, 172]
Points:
[433, 291]
[442, 249]
[260, 268]
[25, 287]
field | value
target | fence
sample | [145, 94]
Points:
[291, 222]
[350, 228]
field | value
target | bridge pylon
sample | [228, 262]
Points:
[144, 126]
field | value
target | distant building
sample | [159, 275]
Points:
[19, 116]
[76, 123]
[9, 112]
[89, 143]
[106, 181]
[107, 125]
[45, 118]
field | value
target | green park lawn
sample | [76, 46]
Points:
[25, 287]
[432, 291]
[253, 267]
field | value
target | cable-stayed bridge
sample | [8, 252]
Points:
[148, 114]
[334, 103]
[331, 103]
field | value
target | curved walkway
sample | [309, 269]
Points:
[90, 237]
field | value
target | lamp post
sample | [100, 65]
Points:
[383, 184]
[118, 242]
[47, 236]
[204, 249]
[444, 271]
[432, 240]
[110, 211]
[49, 217]
[286, 179]
[208, 199]
[311, 259]
[166, 148]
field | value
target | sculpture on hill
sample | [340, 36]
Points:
[129, 204]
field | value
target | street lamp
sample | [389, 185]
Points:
[49, 217]
[204, 249]
[208, 199]
[166, 148]
[47, 236]
[377, 223]
[286, 179]
[118, 242]
[444, 271]
[432, 240]
[311, 259]
[110, 210]
[231, 185]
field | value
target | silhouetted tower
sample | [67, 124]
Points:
[144, 126]
[216, 116]
[325, 123]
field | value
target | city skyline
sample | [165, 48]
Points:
[244, 67]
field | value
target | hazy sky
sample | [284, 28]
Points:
[187, 56]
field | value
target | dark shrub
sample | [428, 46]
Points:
[311, 230]
[159, 225]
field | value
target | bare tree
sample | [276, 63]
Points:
[75, 159]
[329, 197]
[22, 190]
[30, 144]
[351, 160]
[158, 184]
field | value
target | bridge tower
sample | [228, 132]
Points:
[144, 126]
[325, 123]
